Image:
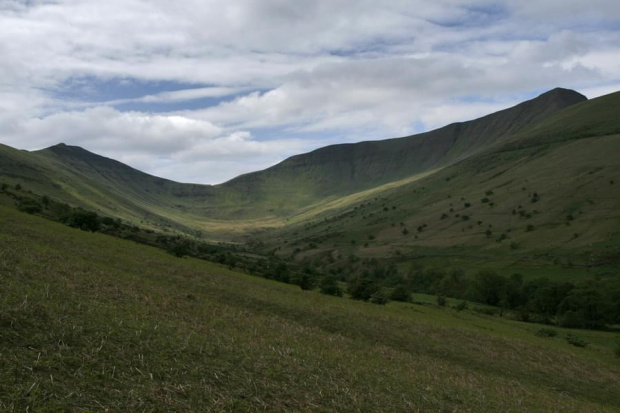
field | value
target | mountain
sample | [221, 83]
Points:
[543, 201]
[297, 185]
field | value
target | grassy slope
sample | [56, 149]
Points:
[578, 176]
[90, 322]
[298, 185]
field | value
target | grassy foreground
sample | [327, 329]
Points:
[93, 323]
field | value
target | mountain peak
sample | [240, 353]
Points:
[562, 96]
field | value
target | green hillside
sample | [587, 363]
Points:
[296, 186]
[546, 202]
[89, 323]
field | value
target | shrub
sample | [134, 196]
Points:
[529, 228]
[617, 350]
[29, 206]
[401, 293]
[84, 220]
[441, 301]
[329, 286]
[576, 341]
[180, 249]
[461, 306]
[379, 297]
[546, 332]
[305, 282]
[486, 310]
[18, 187]
[362, 288]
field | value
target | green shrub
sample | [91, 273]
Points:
[329, 286]
[84, 220]
[441, 301]
[486, 310]
[617, 350]
[576, 341]
[401, 293]
[461, 306]
[546, 332]
[362, 288]
[379, 297]
[306, 282]
[29, 206]
[180, 249]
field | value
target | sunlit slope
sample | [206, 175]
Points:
[348, 168]
[554, 189]
[91, 322]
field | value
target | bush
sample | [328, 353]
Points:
[329, 286]
[617, 350]
[461, 306]
[486, 310]
[546, 332]
[362, 288]
[441, 301]
[29, 206]
[379, 297]
[84, 220]
[401, 293]
[306, 282]
[576, 341]
[179, 250]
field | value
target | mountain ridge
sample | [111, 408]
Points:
[297, 185]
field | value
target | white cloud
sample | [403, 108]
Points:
[164, 145]
[339, 68]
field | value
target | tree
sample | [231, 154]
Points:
[487, 287]
[180, 249]
[379, 297]
[401, 293]
[29, 206]
[305, 282]
[548, 296]
[583, 307]
[441, 301]
[84, 220]
[362, 288]
[329, 286]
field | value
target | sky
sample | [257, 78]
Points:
[204, 90]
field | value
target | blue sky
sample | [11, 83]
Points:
[204, 90]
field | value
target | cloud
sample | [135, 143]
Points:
[164, 145]
[280, 76]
